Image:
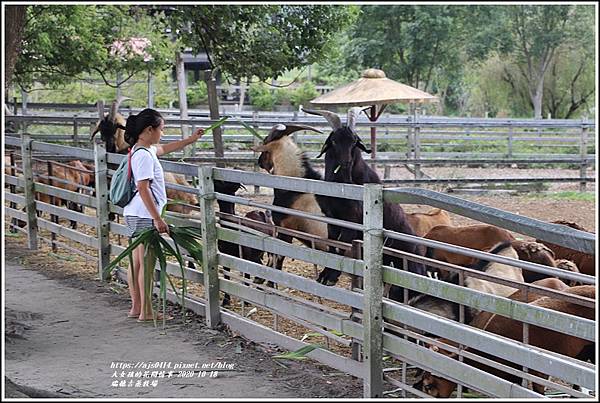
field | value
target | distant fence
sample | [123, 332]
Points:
[422, 142]
[367, 312]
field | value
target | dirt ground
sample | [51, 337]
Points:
[71, 329]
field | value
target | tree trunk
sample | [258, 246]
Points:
[13, 32]
[536, 98]
[182, 90]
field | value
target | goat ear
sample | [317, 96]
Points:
[360, 145]
[120, 126]
[325, 147]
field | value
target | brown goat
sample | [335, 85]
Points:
[534, 252]
[73, 180]
[585, 262]
[568, 265]
[179, 195]
[540, 337]
[479, 236]
[421, 223]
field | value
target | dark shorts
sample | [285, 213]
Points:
[137, 224]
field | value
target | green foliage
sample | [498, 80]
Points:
[197, 94]
[303, 94]
[259, 40]
[262, 96]
[63, 42]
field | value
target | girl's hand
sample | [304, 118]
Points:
[161, 226]
[197, 134]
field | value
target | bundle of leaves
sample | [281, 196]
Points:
[157, 247]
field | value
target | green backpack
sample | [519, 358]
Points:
[122, 185]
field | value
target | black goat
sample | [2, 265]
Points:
[281, 156]
[250, 254]
[112, 128]
[344, 164]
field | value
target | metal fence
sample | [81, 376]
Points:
[413, 142]
[362, 317]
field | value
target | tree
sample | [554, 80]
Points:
[13, 31]
[258, 40]
[408, 42]
[60, 43]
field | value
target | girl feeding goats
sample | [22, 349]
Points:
[143, 132]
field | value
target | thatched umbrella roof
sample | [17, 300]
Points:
[373, 88]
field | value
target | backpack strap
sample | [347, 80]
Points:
[130, 171]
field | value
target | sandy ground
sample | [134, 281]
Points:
[76, 328]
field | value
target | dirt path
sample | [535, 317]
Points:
[75, 329]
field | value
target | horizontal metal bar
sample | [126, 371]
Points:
[79, 198]
[65, 213]
[293, 281]
[555, 233]
[67, 233]
[512, 350]
[297, 213]
[76, 153]
[535, 267]
[534, 315]
[463, 373]
[345, 191]
[276, 246]
[489, 180]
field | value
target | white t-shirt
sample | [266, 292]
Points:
[145, 165]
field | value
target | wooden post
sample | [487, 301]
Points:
[356, 282]
[256, 142]
[183, 106]
[417, 144]
[102, 207]
[32, 228]
[75, 131]
[373, 290]
[13, 190]
[510, 140]
[373, 117]
[53, 217]
[213, 105]
[209, 251]
[583, 152]
[150, 90]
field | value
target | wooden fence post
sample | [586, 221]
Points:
[102, 207]
[32, 227]
[356, 282]
[256, 142]
[510, 140]
[209, 247]
[373, 290]
[75, 132]
[417, 152]
[583, 151]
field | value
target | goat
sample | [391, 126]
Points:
[584, 261]
[422, 223]
[112, 128]
[478, 236]
[560, 343]
[281, 156]
[449, 309]
[344, 164]
[568, 265]
[68, 179]
[229, 248]
[497, 269]
[179, 195]
[536, 253]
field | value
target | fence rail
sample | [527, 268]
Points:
[366, 311]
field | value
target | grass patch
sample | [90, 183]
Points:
[568, 195]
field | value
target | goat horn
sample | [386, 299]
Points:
[353, 117]
[115, 107]
[332, 118]
[279, 130]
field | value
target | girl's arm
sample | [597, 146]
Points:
[178, 145]
[146, 195]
